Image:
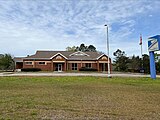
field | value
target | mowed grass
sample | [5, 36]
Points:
[79, 98]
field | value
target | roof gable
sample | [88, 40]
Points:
[79, 53]
[101, 56]
[58, 54]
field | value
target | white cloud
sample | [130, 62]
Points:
[26, 26]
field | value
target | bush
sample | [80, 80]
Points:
[6, 62]
[87, 69]
[30, 69]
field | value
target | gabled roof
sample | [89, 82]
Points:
[66, 54]
[18, 59]
[100, 56]
[79, 53]
[58, 54]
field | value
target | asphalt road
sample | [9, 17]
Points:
[72, 74]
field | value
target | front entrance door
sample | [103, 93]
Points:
[104, 67]
[59, 67]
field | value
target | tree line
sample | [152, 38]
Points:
[133, 63]
[82, 48]
[6, 62]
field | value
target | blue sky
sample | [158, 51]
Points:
[30, 25]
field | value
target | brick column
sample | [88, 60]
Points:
[81, 63]
[65, 66]
[51, 65]
[110, 65]
[98, 66]
[34, 65]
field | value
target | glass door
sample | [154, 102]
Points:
[59, 67]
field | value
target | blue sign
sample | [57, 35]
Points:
[153, 45]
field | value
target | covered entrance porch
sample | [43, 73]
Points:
[59, 67]
[102, 66]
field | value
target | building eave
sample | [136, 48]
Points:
[100, 56]
[36, 59]
[58, 54]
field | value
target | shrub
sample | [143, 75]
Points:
[30, 69]
[87, 69]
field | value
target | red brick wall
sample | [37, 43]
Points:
[78, 66]
[19, 65]
[27, 66]
[69, 66]
[54, 67]
[94, 65]
[46, 67]
[63, 67]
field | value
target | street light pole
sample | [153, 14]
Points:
[107, 41]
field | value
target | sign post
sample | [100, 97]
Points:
[152, 65]
[153, 45]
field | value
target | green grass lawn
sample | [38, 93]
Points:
[79, 98]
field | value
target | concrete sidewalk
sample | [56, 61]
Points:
[72, 74]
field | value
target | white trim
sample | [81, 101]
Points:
[18, 61]
[58, 61]
[42, 62]
[26, 62]
[78, 52]
[100, 56]
[58, 54]
[73, 67]
[103, 61]
[36, 59]
[82, 62]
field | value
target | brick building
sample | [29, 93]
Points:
[63, 61]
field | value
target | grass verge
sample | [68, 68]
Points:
[79, 98]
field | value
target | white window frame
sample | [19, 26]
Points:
[88, 65]
[74, 66]
[28, 63]
[41, 62]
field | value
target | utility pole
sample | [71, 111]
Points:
[107, 46]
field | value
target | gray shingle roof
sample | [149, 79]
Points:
[68, 55]
[18, 59]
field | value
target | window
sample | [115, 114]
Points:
[74, 66]
[104, 58]
[58, 57]
[41, 63]
[79, 54]
[28, 63]
[88, 65]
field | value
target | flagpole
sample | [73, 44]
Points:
[141, 53]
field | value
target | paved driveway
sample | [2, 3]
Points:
[72, 74]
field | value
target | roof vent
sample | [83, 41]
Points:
[79, 53]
